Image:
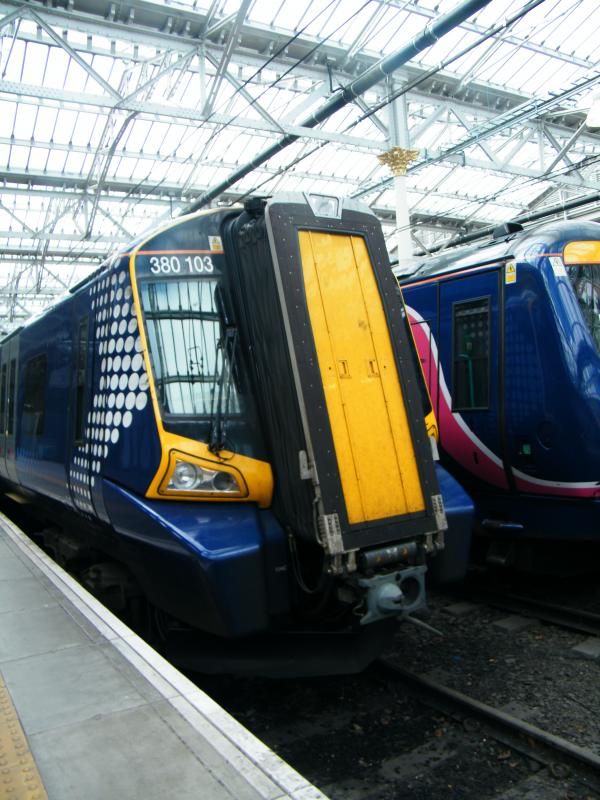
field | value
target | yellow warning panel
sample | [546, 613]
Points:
[510, 272]
[367, 414]
[19, 777]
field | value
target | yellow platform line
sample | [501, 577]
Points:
[19, 776]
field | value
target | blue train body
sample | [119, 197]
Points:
[138, 419]
[509, 336]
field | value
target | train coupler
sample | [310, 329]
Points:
[396, 593]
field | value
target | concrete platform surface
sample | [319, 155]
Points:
[104, 715]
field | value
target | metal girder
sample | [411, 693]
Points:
[180, 63]
[32, 292]
[486, 116]
[17, 219]
[22, 255]
[181, 36]
[37, 191]
[252, 53]
[247, 96]
[166, 45]
[115, 189]
[364, 107]
[528, 112]
[531, 173]
[54, 236]
[386, 66]
[521, 42]
[484, 147]
[562, 151]
[189, 26]
[146, 108]
[59, 40]
[129, 235]
[227, 54]
[103, 169]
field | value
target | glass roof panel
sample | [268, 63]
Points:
[497, 130]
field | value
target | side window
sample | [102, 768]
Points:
[80, 376]
[10, 405]
[471, 355]
[34, 396]
[3, 399]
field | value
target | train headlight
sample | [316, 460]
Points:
[324, 205]
[187, 477]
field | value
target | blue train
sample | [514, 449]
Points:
[213, 440]
[508, 332]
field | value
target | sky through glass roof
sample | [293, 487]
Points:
[115, 117]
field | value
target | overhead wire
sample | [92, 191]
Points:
[218, 131]
[496, 195]
[509, 22]
[144, 181]
[320, 145]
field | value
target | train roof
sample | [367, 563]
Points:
[548, 238]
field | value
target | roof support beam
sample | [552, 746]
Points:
[146, 108]
[227, 54]
[386, 66]
[562, 151]
[521, 42]
[28, 12]
[247, 96]
[53, 236]
[18, 220]
[528, 111]
[480, 144]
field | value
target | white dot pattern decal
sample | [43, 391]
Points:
[122, 384]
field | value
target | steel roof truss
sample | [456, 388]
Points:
[227, 54]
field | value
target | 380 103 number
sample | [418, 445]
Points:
[175, 265]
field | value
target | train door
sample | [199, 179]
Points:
[11, 361]
[3, 393]
[78, 446]
[471, 347]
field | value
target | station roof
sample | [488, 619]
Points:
[114, 116]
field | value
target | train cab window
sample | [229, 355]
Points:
[188, 345]
[80, 377]
[10, 402]
[34, 396]
[585, 280]
[471, 355]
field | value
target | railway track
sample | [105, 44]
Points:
[556, 753]
[567, 617]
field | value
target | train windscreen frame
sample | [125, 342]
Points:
[187, 346]
[585, 280]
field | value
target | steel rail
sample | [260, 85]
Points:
[522, 736]
[574, 619]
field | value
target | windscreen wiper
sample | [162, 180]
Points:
[226, 347]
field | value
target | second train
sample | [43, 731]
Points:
[508, 332]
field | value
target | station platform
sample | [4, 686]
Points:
[89, 710]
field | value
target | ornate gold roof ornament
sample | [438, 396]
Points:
[398, 159]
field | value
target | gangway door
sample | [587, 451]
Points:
[374, 446]
[321, 327]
